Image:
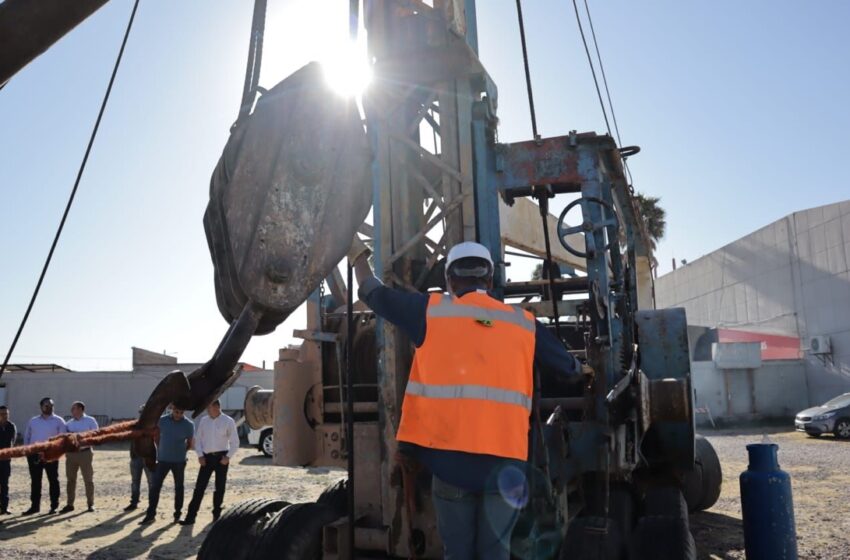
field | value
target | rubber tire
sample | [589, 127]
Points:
[599, 538]
[712, 473]
[660, 537]
[692, 487]
[592, 538]
[294, 533]
[839, 422]
[663, 532]
[336, 496]
[268, 433]
[231, 537]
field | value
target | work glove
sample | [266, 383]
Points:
[358, 249]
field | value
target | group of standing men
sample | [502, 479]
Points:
[215, 440]
[41, 428]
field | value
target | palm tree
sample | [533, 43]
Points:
[654, 217]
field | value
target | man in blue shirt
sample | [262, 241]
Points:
[176, 433]
[41, 428]
[475, 495]
[80, 460]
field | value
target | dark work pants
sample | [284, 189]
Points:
[162, 469]
[137, 467]
[37, 467]
[213, 465]
[5, 471]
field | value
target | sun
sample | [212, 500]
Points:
[346, 67]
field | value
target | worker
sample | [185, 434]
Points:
[41, 428]
[8, 433]
[176, 434]
[467, 403]
[80, 460]
[137, 467]
[216, 442]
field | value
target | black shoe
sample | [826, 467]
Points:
[188, 521]
[66, 509]
[52, 511]
[5, 511]
[147, 520]
[131, 507]
[216, 515]
[176, 516]
[90, 509]
[31, 511]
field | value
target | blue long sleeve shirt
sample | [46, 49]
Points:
[471, 471]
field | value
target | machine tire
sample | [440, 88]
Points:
[662, 536]
[712, 474]
[231, 537]
[336, 496]
[592, 538]
[692, 487]
[663, 532]
[600, 538]
[294, 533]
[266, 446]
[842, 428]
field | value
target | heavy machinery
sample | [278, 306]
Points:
[608, 453]
[609, 460]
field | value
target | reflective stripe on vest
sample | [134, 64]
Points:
[471, 380]
[504, 396]
[448, 308]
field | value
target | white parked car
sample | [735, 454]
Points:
[262, 438]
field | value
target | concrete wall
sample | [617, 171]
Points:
[790, 278]
[117, 394]
[736, 395]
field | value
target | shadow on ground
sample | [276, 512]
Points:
[260, 460]
[717, 535]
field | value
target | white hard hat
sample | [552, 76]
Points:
[469, 249]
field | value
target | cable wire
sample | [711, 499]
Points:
[592, 68]
[607, 90]
[527, 70]
[255, 59]
[73, 190]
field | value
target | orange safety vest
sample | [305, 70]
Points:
[471, 382]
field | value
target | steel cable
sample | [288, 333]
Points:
[73, 190]
[607, 91]
[527, 70]
[592, 68]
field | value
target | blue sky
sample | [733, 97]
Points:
[739, 107]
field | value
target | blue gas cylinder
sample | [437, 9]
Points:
[768, 509]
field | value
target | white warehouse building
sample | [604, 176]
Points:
[789, 280]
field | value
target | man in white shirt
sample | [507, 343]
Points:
[216, 442]
[41, 428]
[80, 460]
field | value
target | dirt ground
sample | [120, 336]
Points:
[820, 471]
[820, 481]
[111, 534]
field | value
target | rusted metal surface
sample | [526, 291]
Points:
[29, 27]
[550, 161]
[663, 343]
[259, 407]
[668, 400]
[287, 196]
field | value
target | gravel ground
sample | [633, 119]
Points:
[820, 481]
[111, 534]
[820, 471]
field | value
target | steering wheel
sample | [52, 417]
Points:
[588, 227]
